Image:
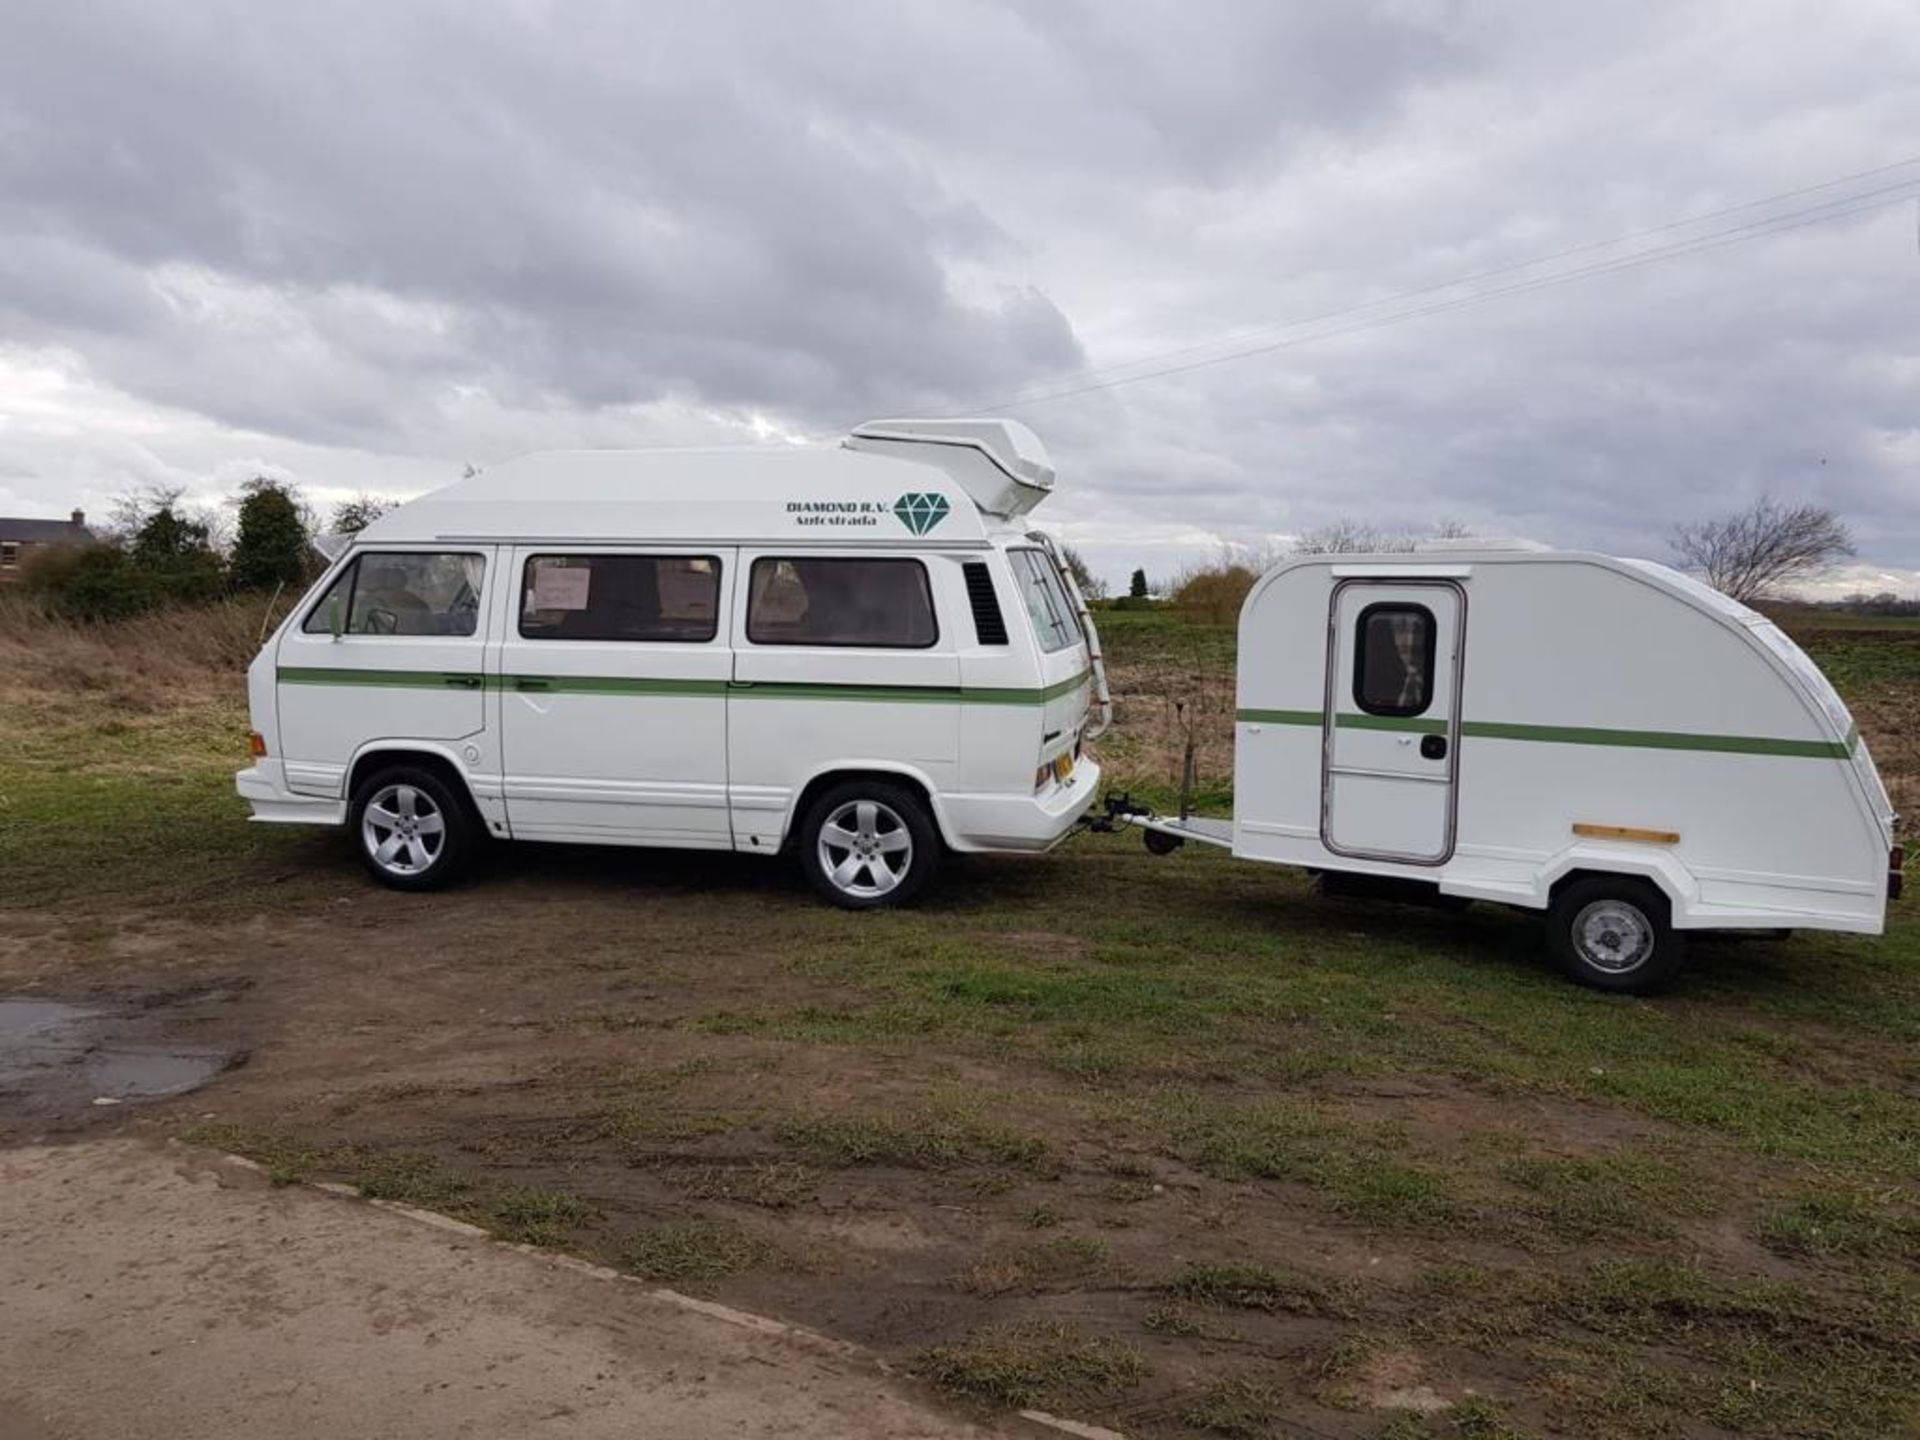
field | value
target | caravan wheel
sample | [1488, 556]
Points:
[865, 844]
[1614, 933]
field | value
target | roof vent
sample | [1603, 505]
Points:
[1001, 464]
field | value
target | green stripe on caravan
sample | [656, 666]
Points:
[743, 689]
[1571, 734]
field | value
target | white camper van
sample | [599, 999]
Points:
[1605, 740]
[858, 653]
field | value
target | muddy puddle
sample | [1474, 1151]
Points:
[60, 1060]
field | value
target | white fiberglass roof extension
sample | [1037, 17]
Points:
[934, 483]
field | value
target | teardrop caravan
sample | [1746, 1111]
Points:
[857, 654]
[1605, 740]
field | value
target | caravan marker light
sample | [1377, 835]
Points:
[256, 744]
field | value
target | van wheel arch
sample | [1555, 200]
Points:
[828, 779]
[372, 761]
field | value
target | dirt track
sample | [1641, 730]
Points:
[153, 1292]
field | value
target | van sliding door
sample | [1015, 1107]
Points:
[613, 706]
[1390, 753]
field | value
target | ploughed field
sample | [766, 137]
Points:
[1169, 1144]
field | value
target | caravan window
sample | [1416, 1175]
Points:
[1393, 659]
[389, 592]
[885, 604]
[620, 597]
[1054, 624]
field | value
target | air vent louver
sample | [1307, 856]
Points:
[988, 626]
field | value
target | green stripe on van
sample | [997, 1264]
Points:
[604, 685]
[1572, 734]
[386, 679]
[746, 690]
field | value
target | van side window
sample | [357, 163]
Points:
[387, 592]
[620, 597]
[841, 601]
[339, 596]
[1054, 623]
[1393, 659]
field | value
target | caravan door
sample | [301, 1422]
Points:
[1391, 738]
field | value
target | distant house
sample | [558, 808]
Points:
[19, 539]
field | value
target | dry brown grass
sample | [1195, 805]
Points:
[175, 651]
[1213, 594]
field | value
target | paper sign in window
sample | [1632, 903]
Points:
[561, 587]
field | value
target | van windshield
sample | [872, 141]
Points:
[1054, 625]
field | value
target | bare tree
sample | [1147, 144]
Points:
[1091, 585]
[1349, 537]
[1760, 551]
[350, 517]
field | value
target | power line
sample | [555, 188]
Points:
[1837, 208]
[1740, 234]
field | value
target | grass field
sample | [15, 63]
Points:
[1167, 1143]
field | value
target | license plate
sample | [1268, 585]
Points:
[1063, 767]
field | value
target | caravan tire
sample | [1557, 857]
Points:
[866, 844]
[1614, 933]
[412, 829]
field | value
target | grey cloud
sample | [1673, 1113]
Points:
[625, 239]
[322, 222]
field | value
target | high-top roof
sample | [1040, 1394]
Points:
[932, 483]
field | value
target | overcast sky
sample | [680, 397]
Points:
[362, 245]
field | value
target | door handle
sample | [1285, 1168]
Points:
[1433, 747]
[463, 682]
[531, 682]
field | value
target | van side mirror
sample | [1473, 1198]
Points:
[333, 615]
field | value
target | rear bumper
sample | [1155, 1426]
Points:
[264, 787]
[1021, 823]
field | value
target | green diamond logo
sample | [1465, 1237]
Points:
[920, 513]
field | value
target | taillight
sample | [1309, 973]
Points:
[257, 744]
[1042, 776]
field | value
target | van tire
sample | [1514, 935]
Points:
[437, 837]
[896, 826]
[1614, 933]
